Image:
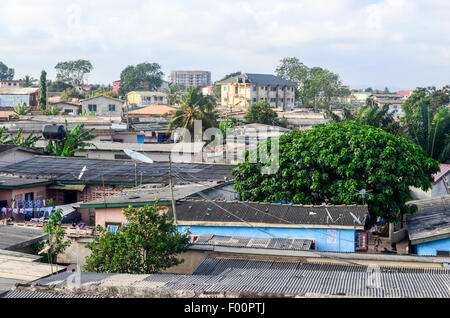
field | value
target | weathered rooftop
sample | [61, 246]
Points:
[431, 222]
[272, 213]
[13, 237]
[115, 171]
[261, 79]
[224, 277]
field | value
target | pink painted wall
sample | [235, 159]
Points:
[113, 215]
[10, 194]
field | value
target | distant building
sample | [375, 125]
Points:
[10, 83]
[13, 96]
[243, 90]
[68, 108]
[191, 78]
[145, 98]
[208, 90]
[405, 93]
[395, 101]
[103, 106]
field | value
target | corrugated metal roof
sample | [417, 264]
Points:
[116, 171]
[198, 210]
[223, 275]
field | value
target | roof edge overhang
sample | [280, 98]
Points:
[260, 224]
[122, 205]
[430, 239]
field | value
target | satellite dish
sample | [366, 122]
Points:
[137, 156]
[356, 218]
[329, 215]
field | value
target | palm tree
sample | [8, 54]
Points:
[194, 106]
[174, 94]
[20, 110]
[75, 141]
[427, 121]
[370, 114]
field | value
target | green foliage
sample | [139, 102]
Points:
[21, 110]
[194, 106]
[28, 81]
[6, 73]
[70, 93]
[332, 162]
[427, 121]
[174, 94]
[149, 243]
[56, 235]
[144, 76]
[370, 114]
[76, 140]
[102, 90]
[317, 87]
[42, 96]
[52, 110]
[58, 86]
[20, 140]
[261, 113]
[85, 113]
[73, 72]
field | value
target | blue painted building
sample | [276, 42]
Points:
[429, 228]
[336, 230]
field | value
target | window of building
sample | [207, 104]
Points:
[273, 89]
[92, 107]
[282, 100]
[113, 227]
[119, 156]
[254, 99]
[254, 88]
[225, 88]
[29, 196]
[272, 100]
[112, 108]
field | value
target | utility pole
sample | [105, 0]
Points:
[171, 189]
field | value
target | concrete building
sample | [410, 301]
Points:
[13, 96]
[145, 98]
[190, 78]
[243, 90]
[10, 154]
[439, 187]
[68, 108]
[103, 106]
[10, 83]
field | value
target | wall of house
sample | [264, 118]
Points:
[431, 248]
[103, 106]
[10, 100]
[113, 215]
[14, 157]
[333, 240]
[439, 189]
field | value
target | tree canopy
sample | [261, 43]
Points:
[73, 72]
[42, 96]
[143, 76]
[262, 113]
[194, 106]
[427, 121]
[148, 243]
[6, 73]
[332, 162]
[317, 87]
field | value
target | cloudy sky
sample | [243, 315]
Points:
[401, 44]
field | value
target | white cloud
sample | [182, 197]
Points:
[222, 35]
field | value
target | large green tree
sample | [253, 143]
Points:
[317, 87]
[6, 73]
[143, 76]
[194, 106]
[426, 121]
[149, 243]
[42, 96]
[333, 162]
[73, 72]
[262, 113]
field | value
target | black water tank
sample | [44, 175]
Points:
[54, 132]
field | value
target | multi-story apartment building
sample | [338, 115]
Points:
[191, 78]
[10, 83]
[243, 90]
